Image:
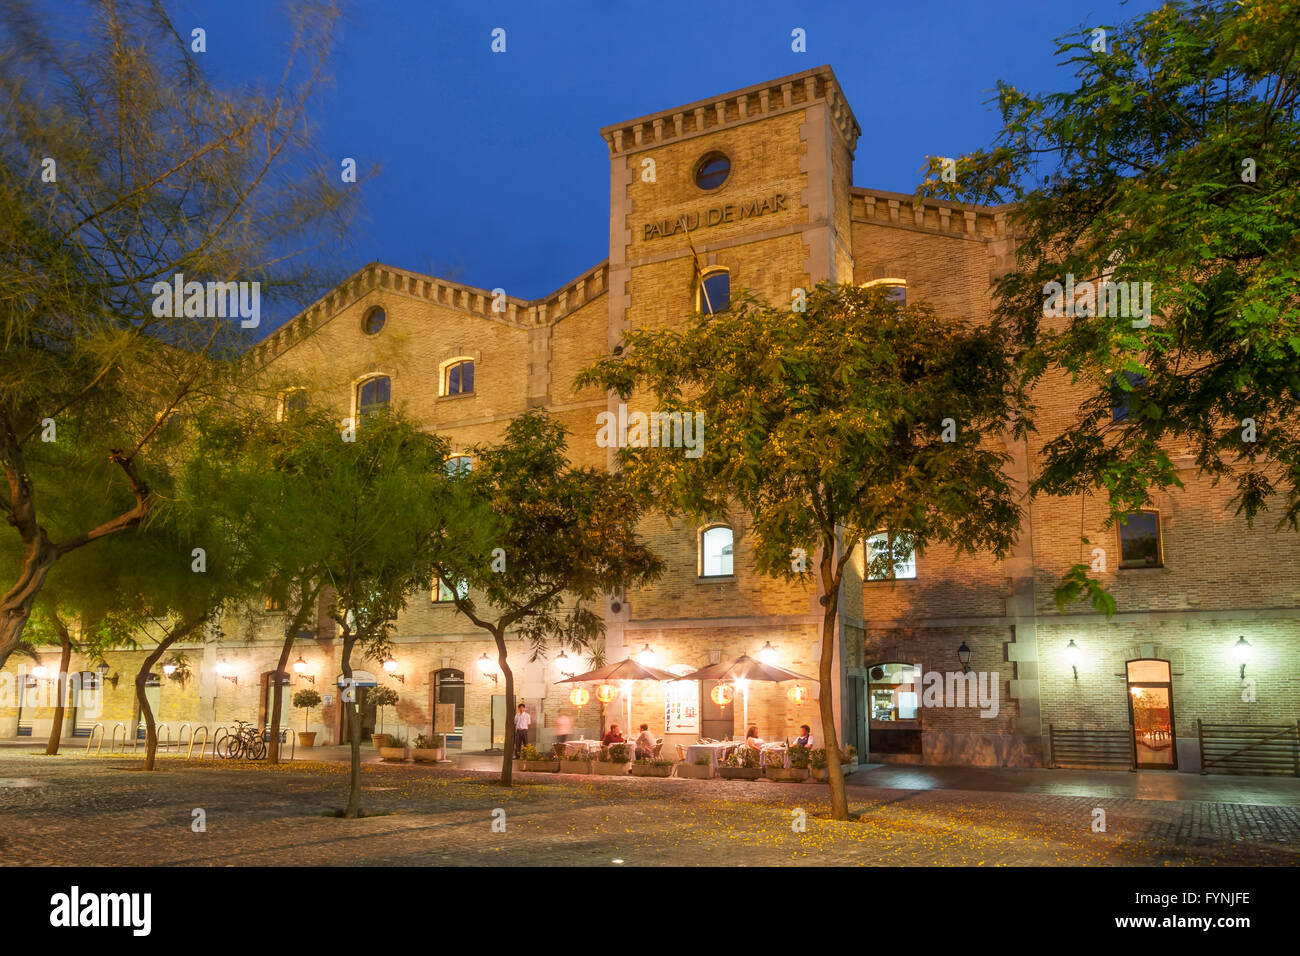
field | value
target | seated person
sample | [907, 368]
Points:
[752, 739]
[805, 738]
[645, 743]
[612, 736]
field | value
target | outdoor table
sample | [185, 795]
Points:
[572, 747]
[772, 751]
[715, 752]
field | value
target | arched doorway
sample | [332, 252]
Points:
[1151, 714]
[447, 688]
[267, 705]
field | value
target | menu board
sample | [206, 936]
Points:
[682, 707]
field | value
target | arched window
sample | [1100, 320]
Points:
[373, 396]
[716, 559]
[373, 322]
[458, 378]
[714, 292]
[459, 465]
[293, 403]
[895, 289]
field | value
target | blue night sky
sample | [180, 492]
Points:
[492, 172]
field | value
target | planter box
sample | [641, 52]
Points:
[392, 753]
[691, 771]
[542, 766]
[649, 770]
[379, 741]
[739, 773]
[575, 766]
[791, 775]
[306, 739]
[428, 754]
[610, 769]
[820, 776]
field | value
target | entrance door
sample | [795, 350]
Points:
[856, 732]
[499, 723]
[86, 703]
[1151, 714]
[365, 711]
[717, 720]
[448, 687]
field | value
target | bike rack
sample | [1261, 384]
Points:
[100, 728]
[157, 735]
[220, 734]
[203, 746]
[180, 734]
[112, 740]
[290, 738]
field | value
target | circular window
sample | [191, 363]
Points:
[373, 322]
[712, 171]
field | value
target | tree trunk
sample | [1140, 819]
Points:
[39, 557]
[354, 733]
[508, 758]
[830, 580]
[65, 660]
[277, 707]
[179, 631]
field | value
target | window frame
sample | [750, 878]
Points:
[1160, 542]
[436, 595]
[358, 412]
[893, 567]
[284, 411]
[365, 320]
[705, 274]
[444, 377]
[698, 166]
[888, 282]
[701, 572]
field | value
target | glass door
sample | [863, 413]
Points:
[1151, 714]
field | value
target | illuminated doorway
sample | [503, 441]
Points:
[1151, 714]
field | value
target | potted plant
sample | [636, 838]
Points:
[614, 760]
[702, 769]
[647, 767]
[850, 757]
[427, 750]
[741, 764]
[381, 696]
[798, 769]
[817, 764]
[394, 748]
[306, 699]
[534, 761]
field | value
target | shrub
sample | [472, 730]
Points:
[557, 750]
[702, 760]
[396, 740]
[799, 757]
[425, 743]
[817, 758]
[658, 762]
[618, 753]
[306, 698]
[529, 752]
[746, 757]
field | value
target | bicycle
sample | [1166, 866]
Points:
[247, 741]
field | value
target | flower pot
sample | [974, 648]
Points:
[650, 770]
[739, 773]
[429, 754]
[575, 766]
[610, 769]
[692, 771]
[542, 766]
[787, 775]
[392, 754]
[306, 738]
[379, 740]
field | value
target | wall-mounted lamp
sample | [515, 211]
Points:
[1072, 654]
[390, 668]
[564, 662]
[226, 671]
[169, 669]
[1242, 651]
[963, 656]
[41, 672]
[102, 670]
[300, 668]
[487, 668]
[768, 653]
[646, 656]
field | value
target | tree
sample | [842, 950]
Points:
[382, 696]
[1175, 161]
[826, 427]
[306, 699]
[124, 172]
[560, 536]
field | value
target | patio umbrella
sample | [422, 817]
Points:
[745, 668]
[627, 670]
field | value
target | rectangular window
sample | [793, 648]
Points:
[880, 567]
[1121, 398]
[444, 595]
[892, 692]
[716, 553]
[1139, 541]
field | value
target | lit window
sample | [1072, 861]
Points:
[716, 552]
[884, 565]
[1139, 541]
[459, 465]
[1121, 397]
[374, 321]
[714, 293]
[275, 595]
[445, 596]
[892, 692]
[373, 396]
[460, 379]
[712, 171]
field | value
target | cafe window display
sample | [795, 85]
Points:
[893, 708]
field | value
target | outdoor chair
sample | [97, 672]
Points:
[658, 749]
[681, 753]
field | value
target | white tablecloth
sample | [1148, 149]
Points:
[715, 752]
[574, 747]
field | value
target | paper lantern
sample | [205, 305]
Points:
[722, 695]
[606, 692]
[798, 694]
[579, 697]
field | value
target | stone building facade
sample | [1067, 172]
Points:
[759, 182]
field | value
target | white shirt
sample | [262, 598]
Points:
[523, 721]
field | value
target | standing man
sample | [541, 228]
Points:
[563, 727]
[522, 723]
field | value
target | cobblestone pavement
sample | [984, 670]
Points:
[86, 811]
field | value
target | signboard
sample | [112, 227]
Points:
[682, 707]
[444, 718]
